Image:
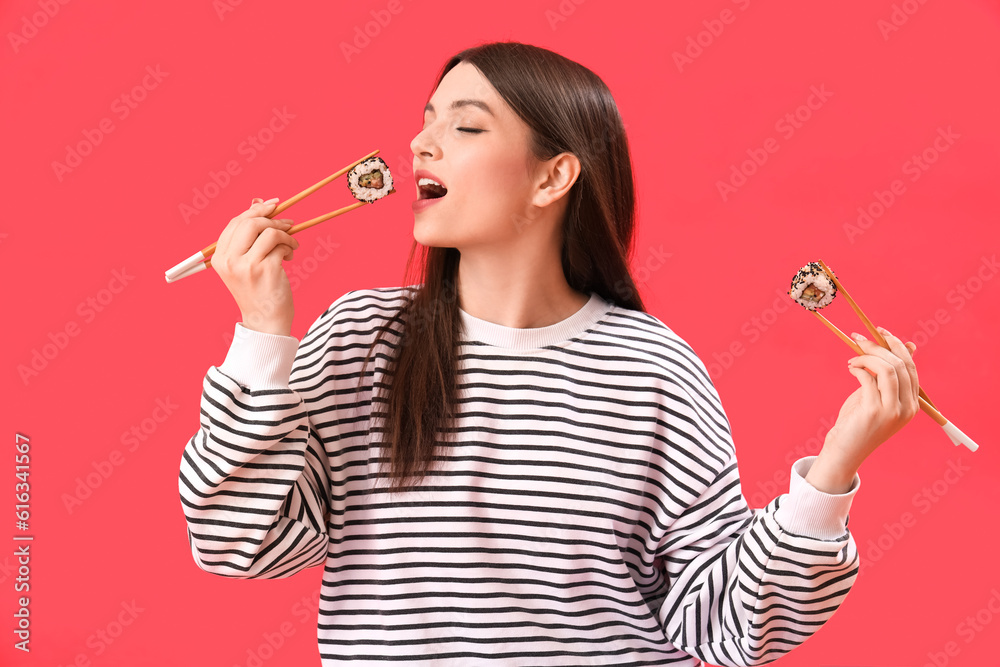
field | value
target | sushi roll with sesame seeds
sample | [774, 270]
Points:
[370, 180]
[812, 288]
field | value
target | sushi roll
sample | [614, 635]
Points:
[370, 180]
[812, 288]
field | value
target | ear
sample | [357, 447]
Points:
[556, 176]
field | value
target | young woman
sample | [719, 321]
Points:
[511, 462]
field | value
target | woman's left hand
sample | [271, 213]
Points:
[880, 407]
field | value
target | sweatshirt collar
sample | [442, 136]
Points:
[499, 335]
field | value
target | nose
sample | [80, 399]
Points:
[424, 144]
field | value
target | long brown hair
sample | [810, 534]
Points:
[568, 108]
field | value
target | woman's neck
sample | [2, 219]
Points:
[519, 294]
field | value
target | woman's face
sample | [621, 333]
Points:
[475, 146]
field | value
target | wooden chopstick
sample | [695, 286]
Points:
[193, 263]
[879, 338]
[925, 405]
[200, 266]
[315, 221]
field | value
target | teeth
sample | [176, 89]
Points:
[430, 189]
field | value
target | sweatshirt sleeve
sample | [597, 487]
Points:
[253, 481]
[747, 586]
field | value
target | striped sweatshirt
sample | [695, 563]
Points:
[586, 511]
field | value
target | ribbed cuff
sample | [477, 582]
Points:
[809, 512]
[259, 360]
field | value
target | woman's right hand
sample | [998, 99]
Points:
[248, 257]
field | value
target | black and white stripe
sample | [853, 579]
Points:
[588, 512]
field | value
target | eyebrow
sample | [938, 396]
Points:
[457, 104]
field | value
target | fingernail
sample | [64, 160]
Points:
[858, 337]
[272, 201]
[883, 331]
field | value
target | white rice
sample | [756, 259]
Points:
[368, 166]
[812, 274]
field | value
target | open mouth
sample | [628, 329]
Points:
[429, 189]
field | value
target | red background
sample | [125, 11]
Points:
[63, 235]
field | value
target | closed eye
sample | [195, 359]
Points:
[470, 129]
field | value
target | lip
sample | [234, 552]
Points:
[420, 204]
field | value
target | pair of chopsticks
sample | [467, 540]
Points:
[954, 434]
[201, 260]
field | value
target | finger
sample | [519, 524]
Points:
[279, 253]
[261, 208]
[912, 387]
[899, 350]
[870, 397]
[266, 242]
[247, 231]
[902, 391]
[885, 377]
[869, 387]
[224, 245]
